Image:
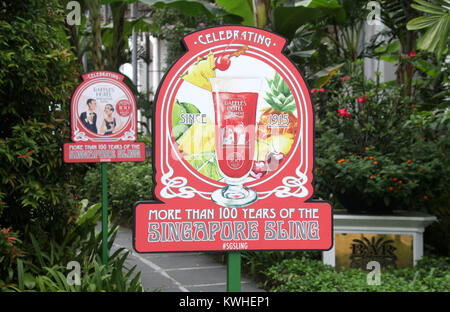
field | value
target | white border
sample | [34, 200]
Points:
[297, 183]
[80, 135]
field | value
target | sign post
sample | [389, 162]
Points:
[103, 122]
[234, 272]
[233, 135]
[104, 214]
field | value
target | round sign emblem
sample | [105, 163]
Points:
[123, 108]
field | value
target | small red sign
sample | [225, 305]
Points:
[233, 151]
[265, 225]
[103, 119]
[104, 152]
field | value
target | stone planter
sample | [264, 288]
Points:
[395, 239]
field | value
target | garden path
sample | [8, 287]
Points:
[179, 272]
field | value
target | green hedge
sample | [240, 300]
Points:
[128, 182]
[310, 275]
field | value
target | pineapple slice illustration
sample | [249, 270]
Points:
[199, 73]
[204, 68]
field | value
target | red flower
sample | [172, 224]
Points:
[344, 79]
[343, 112]
[412, 54]
[362, 99]
[313, 91]
[321, 90]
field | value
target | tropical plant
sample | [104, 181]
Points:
[38, 76]
[43, 266]
[279, 16]
[400, 42]
[436, 23]
[282, 17]
[374, 150]
[320, 47]
[170, 24]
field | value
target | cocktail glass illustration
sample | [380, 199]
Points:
[235, 102]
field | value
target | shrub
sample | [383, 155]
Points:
[256, 262]
[37, 77]
[128, 182]
[308, 275]
[375, 151]
[43, 266]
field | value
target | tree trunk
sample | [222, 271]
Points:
[118, 15]
[94, 7]
[261, 13]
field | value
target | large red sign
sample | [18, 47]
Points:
[103, 119]
[233, 151]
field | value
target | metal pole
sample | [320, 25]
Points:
[134, 9]
[104, 214]
[234, 272]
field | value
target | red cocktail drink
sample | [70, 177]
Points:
[235, 102]
[235, 121]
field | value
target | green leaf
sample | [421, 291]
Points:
[427, 68]
[388, 48]
[135, 283]
[433, 36]
[89, 215]
[437, 24]
[241, 8]
[307, 53]
[287, 20]
[41, 284]
[428, 7]
[323, 76]
[421, 22]
[328, 4]
[389, 58]
[37, 250]
[20, 273]
[29, 281]
[91, 287]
